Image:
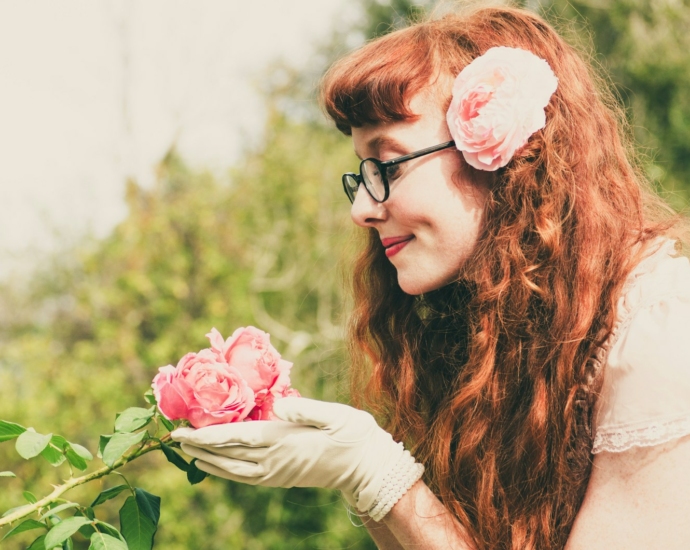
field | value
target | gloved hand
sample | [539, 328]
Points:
[316, 444]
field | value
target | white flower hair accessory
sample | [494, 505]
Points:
[498, 103]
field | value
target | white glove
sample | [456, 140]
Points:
[316, 444]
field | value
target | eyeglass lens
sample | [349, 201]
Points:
[350, 184]
[373, 179]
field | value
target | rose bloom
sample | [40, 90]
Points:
[498, 103]
[236, 379]
[249, 350]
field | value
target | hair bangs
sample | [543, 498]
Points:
[375, 83]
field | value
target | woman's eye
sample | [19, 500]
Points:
[392, 172]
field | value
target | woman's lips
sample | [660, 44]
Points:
[393, 245]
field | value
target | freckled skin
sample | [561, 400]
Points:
[431, 199]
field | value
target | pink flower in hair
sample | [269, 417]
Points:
[498, 103]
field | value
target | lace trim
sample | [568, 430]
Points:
[656, 433]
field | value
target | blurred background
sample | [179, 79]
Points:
[165, 169]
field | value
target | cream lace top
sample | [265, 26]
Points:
[645, 393]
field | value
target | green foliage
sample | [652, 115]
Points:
[64, 530]
[10, 430]
[108, 494]
[26, 525]
[175, 458]
[644, 45]
[58, 509]
[384, 16]
[101, 541]
[194, 475]
[132, 419]
[31, 444]
[138, 527]
[193, 253]
[119, 444]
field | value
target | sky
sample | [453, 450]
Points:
[95, 91]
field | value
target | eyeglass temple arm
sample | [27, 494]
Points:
[419, 153]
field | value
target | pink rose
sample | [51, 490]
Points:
[249, 350]
[233, 380]
[264, 404]
[202, 391]
[498, 103]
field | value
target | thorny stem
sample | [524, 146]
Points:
[148, 446]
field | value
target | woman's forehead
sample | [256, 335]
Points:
[429, 119]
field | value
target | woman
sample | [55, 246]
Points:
[521, 316]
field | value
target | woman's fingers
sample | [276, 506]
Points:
[220, 472]
[252, 434]
[240, 470]
[235, 451]
[310, 412]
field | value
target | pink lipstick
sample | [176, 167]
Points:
[393, 245]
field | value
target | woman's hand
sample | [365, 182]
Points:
[315, 444]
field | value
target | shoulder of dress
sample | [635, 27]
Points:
[645, 396]
[660, 274]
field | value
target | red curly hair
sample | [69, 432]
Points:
[491, 379]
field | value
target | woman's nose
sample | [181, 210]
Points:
[366, 212]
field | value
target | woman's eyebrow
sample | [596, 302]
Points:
[377, 143]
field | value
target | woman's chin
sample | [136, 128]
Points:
[414, 286]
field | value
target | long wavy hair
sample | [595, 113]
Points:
[491, 379]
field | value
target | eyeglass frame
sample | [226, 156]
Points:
[382, 165]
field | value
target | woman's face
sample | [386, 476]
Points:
[431, 221]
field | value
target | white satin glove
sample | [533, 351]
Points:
[316, 444]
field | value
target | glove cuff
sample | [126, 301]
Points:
[404, 474]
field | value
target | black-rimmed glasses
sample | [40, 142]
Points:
[374, 173]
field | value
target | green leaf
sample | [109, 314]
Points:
[108, 494]
[7, 474]
[74, 459]
[101, 541]
[150, 397]
[59, 509]
[149, 504]
[59, 442]
[168, 425]
[10, 430]
[118, 444]
[38, 544]
[53, 456]
[68, 545]
[81, 451]
[174, 458]
[194, 475]
[137, 527]
[30, 444]
[86, 530]
[26, 525]
[30, 496]
[54, 451]
[86, 512]
[132, 419]
[64, 530]
[111, 530]
[102, 442]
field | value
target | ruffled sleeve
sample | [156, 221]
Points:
[645, 395]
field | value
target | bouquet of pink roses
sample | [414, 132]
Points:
[234, 380]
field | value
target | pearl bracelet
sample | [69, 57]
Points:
[397, 482]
